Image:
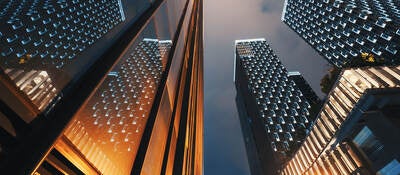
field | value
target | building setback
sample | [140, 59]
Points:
[101, 87]
[304, 87]
[356, 130]
[341, 30]
[270, 104]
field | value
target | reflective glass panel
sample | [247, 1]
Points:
[109, 127]
[47, 44]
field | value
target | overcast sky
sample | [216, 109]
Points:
[224, 22]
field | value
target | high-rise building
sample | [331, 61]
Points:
[341, 30]
[101, 87]
[357, 129]
[274, 113]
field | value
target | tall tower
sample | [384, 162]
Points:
[355, 131]
[101, 87]
[341, 30]
[273, 111]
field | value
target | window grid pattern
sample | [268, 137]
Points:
[341, 100]
[38, 39]
[340, 30]
[52, 33]
[281, 104]
[108, 131]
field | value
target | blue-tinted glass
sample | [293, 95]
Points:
[393, 168]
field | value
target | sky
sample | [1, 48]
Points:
[224, 22]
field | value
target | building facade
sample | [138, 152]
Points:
[304, 87]
[253, 157]
[341, 30]
[356, 129]
[310, 95]
[101, 87]
[274, 113]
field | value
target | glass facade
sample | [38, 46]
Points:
[324, 150]
[340, 30]
[392, 168]
[276, 106]
[134, 119]
[114, 119]
[46, 45]
[304, 87]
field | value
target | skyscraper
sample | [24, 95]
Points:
[107, 87]
[356, 130]
[274, 113]
[341, 30]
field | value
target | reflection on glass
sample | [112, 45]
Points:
[37, 85]
[39, 39]
[109, 128]
[105, 134]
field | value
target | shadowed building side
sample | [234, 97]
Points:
[355, 129]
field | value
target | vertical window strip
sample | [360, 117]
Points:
[345, 157]
[342, 112]
[353, 156]
[328, 122]
[332, 116]
[350, 89]
[343, 99]
[286, 170]
[351, 82]
[340, 88]
[319, 136]
[397, 69]
[368, 78]
[339, 163]
[340, 159]
[360, 80]
[324, 131]
[315, 169]
[322, 166]
[298, 171]
[313, 153]
[291, 168]
[395, 75]
[384, 76]
[315, 140]
[307, 156]
[378, 77]
[331, 166]
[302, 162]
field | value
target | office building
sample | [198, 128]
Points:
[270, 105]
[101, 87]
[341, 30]
[357, 129]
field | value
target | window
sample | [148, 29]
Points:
[368, 143]
[276, 137]
[386, 36]
[392, 168]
